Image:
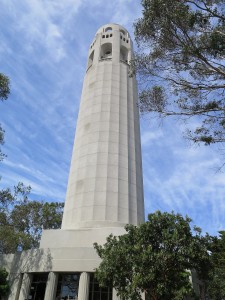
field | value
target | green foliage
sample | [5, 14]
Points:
[22, 220]
[2, 155]
[4, 87]
[4, 284]
[216, 284]
[181, 57]
[4, 93]
[154, 258]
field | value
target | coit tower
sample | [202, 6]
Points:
[105, 187]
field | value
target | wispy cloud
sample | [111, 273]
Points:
[43, 50]
[182, 178]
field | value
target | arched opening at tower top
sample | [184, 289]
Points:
[106, 51]
[108, 29]
[122, 31]
[123, 54]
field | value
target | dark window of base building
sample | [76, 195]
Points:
[98, 293]
[67, 287]
[37, 289]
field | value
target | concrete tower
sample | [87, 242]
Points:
[105, 189]
[105, 183]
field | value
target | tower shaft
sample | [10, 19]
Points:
[105, 186]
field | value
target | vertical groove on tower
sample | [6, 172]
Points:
[128, 141]
[93, 138]
[130, 150]
[135, 178]
[138, 160]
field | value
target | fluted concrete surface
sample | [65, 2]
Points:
[105, 182]
[25, 288]
[51, 286]
[83, 292]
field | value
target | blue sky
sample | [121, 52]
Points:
[43, 49]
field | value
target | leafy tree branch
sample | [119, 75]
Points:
[181, 65]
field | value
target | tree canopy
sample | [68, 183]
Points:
[216, 282]
[155, 257]
[181, 63]
[4, 283]
[22, 219]
[4, 87]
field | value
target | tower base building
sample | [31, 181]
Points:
[105, 188]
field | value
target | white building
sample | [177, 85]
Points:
[105, 188]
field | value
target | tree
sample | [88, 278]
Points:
[154, 258]
[181, 63]
[4, 93]
[4, 284]
[216, 283]
[22, 220]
